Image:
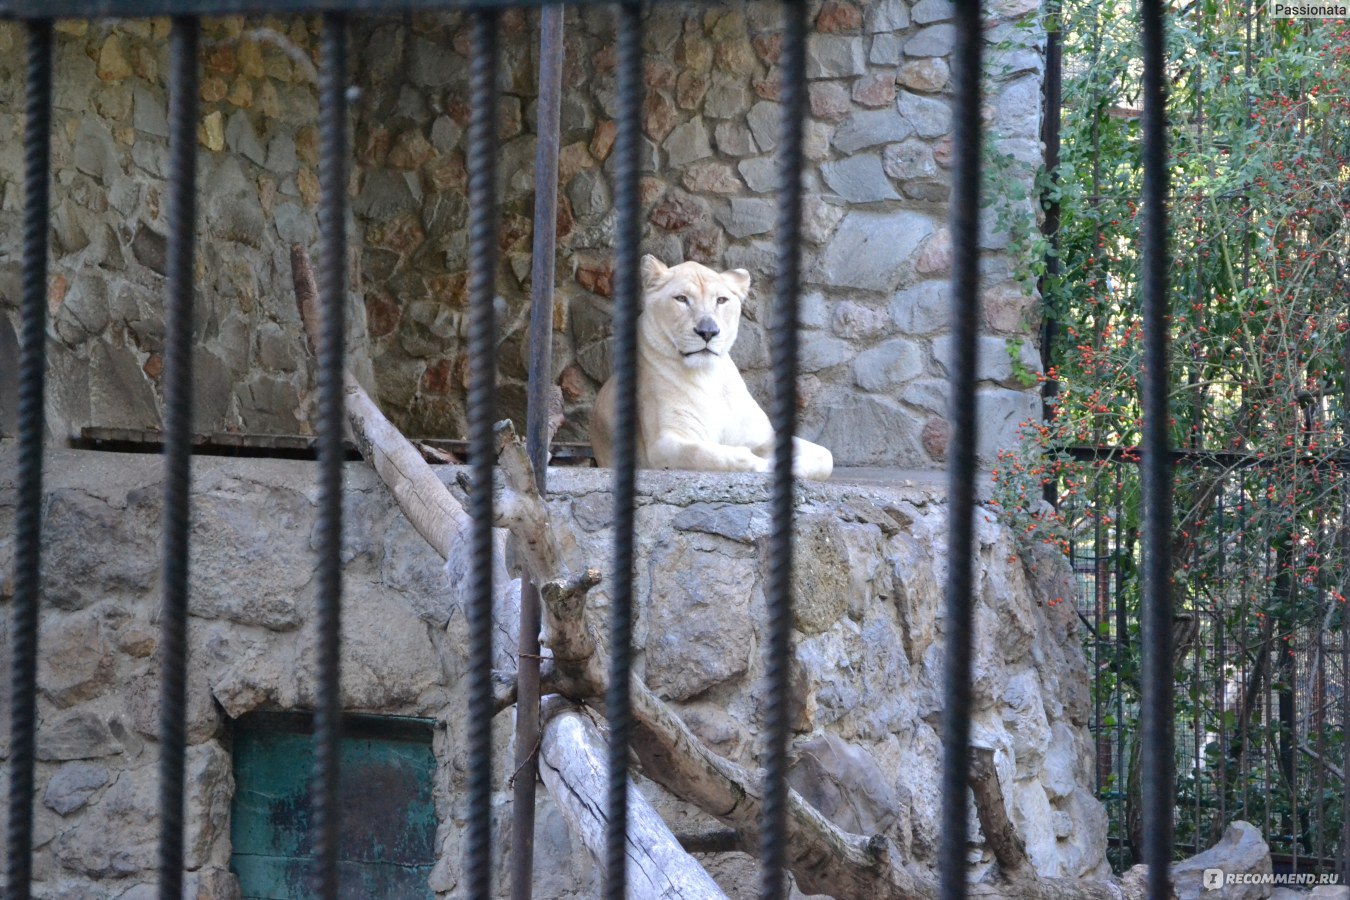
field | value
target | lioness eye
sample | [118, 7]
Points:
[681, 298]
[721, 300]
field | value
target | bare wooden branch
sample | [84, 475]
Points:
[522, 509]
[999, 834]
[573, 764]
[431, 509]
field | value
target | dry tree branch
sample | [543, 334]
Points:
[823, 857]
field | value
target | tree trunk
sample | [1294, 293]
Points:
[574, 766]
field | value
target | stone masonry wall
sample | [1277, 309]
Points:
[877, 248]
[257, 188]
[868, 654]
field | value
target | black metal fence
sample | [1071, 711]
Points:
[1261, 649]
[1157, 685]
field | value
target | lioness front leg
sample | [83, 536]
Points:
[811, 460]
[670, 452]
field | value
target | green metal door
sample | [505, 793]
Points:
[387, 848]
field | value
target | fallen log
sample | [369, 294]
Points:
[573, 764]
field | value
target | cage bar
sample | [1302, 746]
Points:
[1156, 714]
[783, 417]
[543, 257]
[965, 218]
[627, 293]
[181, 217]
[332, 284]
[32, 424]
[484, 26]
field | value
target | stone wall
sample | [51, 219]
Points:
[877, 250]
[257, 188]
[868, 645]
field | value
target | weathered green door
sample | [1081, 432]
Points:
[388, 817]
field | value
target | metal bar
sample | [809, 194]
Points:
[32, 424]
[182, 219]
[965, 229]
[1220, 688]
[482, 164]
[783, 415]
[537, 436]
[332, 278]
[131, 9]
[1229, 459]
[1156, 713]
[1343, 857]
[627, 292]
[1050, 128]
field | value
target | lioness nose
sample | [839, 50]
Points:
[707, 328]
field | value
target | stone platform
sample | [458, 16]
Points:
[868, 655]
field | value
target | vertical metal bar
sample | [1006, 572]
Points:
[1343, 857]
[784, 351]
[482, 164]
[1220, 684]
[1198, 773]
[627, 288]
[32, 424]
[537, 434]
[965, 228]
[1156, 713]
[173, 622]
[332, 278]
[1050, 128]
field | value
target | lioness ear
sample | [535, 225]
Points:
[740, 278]
[652, 271]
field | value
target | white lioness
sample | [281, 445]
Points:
[693, 409]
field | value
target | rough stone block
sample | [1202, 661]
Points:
[994, 362]
[1002, 415]
[935, 40]
[871, 250]
[859, 179]
[687, 142]
[855, 322]
[242, 139]
[845, 784]
[760, 174]
[925, 12]
[726, 99]
[931, 118]
[699, 620]
[746, 216]
[834, 56]
[734, 139]
[922, 309]
[886, 50]
[1241, 850]
[764, 120]
[869, 430]
[867, 128]
[94, 152]
[886, 16]
[81, 734]
[887, 366]
[72, 786]
[909, 159]
[148, 116]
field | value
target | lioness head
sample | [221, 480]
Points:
[691, 312]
